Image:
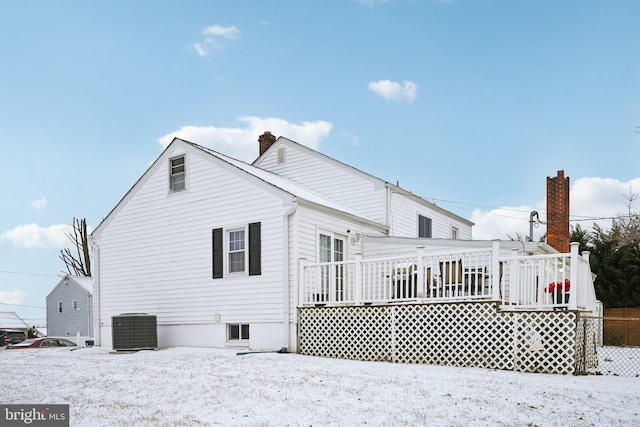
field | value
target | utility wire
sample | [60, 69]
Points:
[28, 274]
[574, 218]
[19, 305]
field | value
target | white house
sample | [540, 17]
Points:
[210, 245]
[70, 307]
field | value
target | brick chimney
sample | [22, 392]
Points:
[265, 140]
[558, 235]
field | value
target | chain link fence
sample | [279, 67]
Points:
[617, 342]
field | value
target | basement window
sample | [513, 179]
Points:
[237, 332]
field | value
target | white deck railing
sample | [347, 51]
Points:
[518, 282]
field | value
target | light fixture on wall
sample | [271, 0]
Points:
[356, 238]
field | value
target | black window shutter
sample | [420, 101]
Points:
[218, 253]
[254, 249]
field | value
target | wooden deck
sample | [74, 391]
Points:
[530, 282]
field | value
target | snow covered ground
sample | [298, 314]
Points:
[211, 387]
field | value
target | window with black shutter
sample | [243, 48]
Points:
[238, 240]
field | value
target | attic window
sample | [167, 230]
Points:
[282, 154]
[177, 174]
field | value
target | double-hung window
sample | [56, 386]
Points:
[236, 251]
[177, 174]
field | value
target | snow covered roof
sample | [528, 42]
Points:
[10, 320]
[85, 283]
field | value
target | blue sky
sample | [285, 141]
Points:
[470, 103]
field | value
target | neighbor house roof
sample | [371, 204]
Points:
[10, 320]
[85, 283]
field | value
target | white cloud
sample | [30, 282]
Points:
[35, 236]
[213, 36]
[242, 143]
[505, 222]
[371, 3]
[39, 203]
[394, 91]
[231, 32]
[14, 297]
[589, 199]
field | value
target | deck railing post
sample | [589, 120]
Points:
[302, 282]
[358, 285]
[514, 278]
[573, 279]
[495, 270]
[420, 288]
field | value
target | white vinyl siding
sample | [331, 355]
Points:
[363, 193]
[156, 252]
[405, 211]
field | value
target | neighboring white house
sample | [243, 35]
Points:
[70, 307]
[211, 245]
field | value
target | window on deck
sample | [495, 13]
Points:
[331, 249]
[424, 226]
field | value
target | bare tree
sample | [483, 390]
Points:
[80, 263]
[626, 227]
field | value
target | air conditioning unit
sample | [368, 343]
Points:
[134, 331]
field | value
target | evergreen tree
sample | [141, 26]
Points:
[615, 257]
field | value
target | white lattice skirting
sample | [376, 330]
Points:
[474, 334]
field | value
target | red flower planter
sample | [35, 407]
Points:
[559, 289]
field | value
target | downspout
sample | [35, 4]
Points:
[286, 281]
[96, 293]
[386, 206]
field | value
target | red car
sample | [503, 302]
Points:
[42, 343]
